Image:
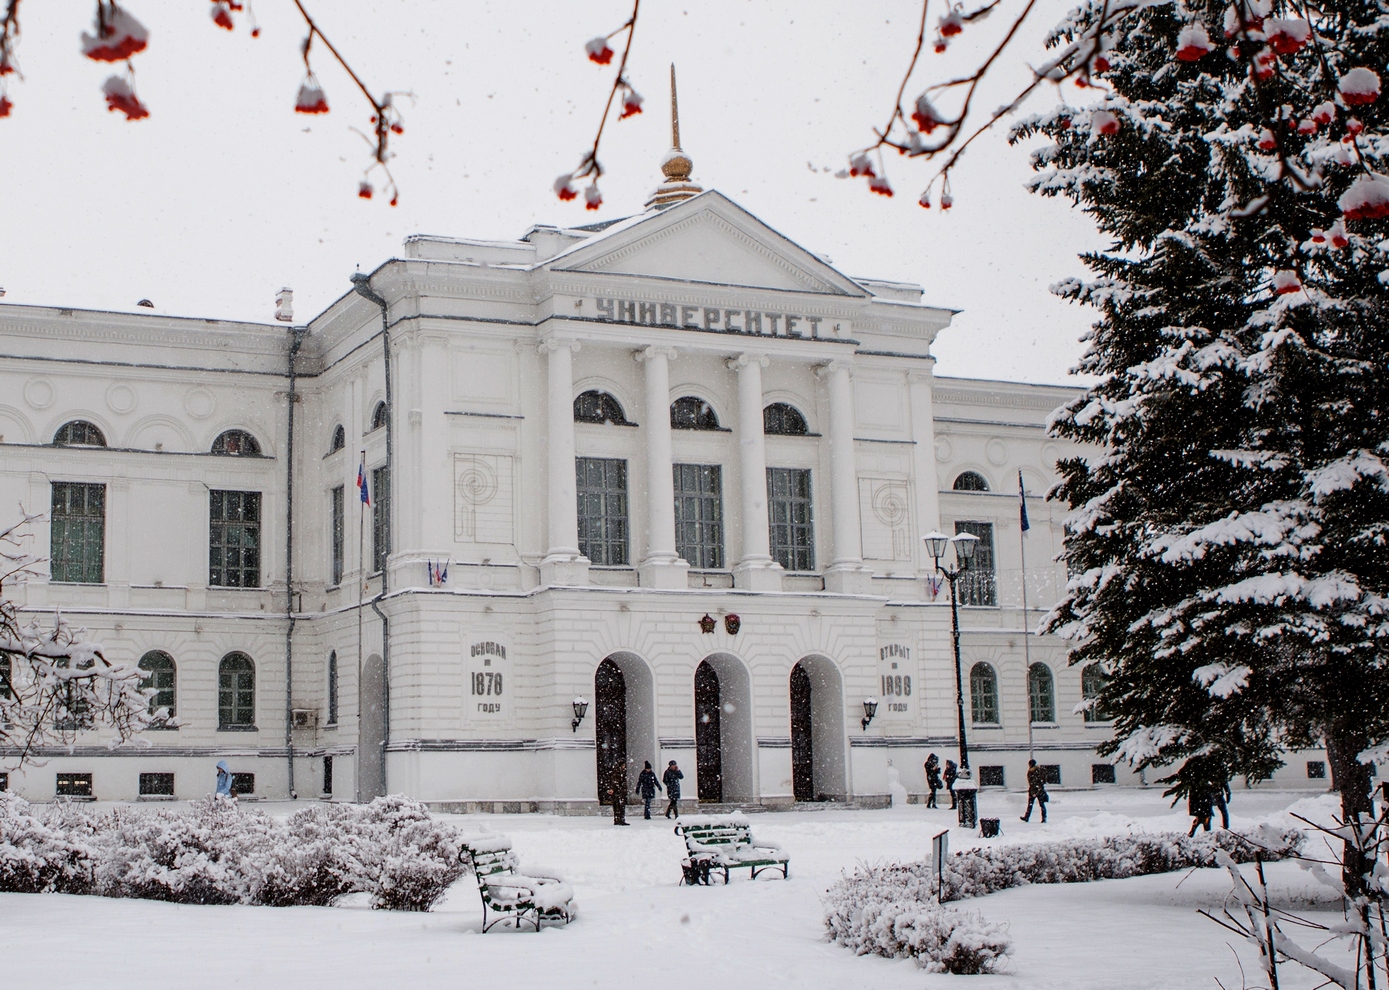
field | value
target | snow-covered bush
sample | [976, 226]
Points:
[891, 911]
[219, 853]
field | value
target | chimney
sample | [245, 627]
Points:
[284, 305]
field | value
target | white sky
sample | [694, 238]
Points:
[224, 194]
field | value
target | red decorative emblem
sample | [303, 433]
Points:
[707, 624]
[732, 623]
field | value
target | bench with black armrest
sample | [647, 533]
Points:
[509, 893]
[725, 842]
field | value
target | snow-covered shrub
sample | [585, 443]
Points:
[35, 857]
[163, 855]
[888, 911]
[413, 859]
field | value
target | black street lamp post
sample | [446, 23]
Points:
[964, 544]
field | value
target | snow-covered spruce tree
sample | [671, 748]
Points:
[54, 681]
[1228, 550]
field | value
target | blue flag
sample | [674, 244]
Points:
[1022, 505]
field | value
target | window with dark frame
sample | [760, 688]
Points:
[1051, 773]
[692, 413]
[599, 407]
[970, 481]
[791, 518]
[1102, 773]
[339, 440]
[243, 783]
[1316, 769]
[339, 531]
[1041, 694]
[77, 533]
[983, 694]
[74, 785]
[699, 514]
[601, 485]
[333, 687]
[233, 539]
[784, 420]
[6, 672]
[79, 433]
[991, 776]
[4, 782]
[73, 710]
[380, 518]
[327, 775]
[236, 443]
[156, 785]
[978, 585]
[236, 693]
[378, 416]
[161, 676]
[1092, 682]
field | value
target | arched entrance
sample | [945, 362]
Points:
[818, 766]
[708, 751]
[723, 730]
[623, 720]
[610, 727]
[802, 736]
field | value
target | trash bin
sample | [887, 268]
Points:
[988, 828]
[967, 806]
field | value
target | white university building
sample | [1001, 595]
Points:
[676, 466]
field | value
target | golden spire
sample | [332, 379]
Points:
[676, 166]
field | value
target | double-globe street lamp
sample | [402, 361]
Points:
[964, 544]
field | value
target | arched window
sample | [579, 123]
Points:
[339, 439]
[79, 433]
[784, 420]
[1041, 693]
[971, 481]
[691, 413]
[333, 687]
[1092, 682]
[378, 416]
[236, 692]
[236, 443]
[160, 676]
[983, 694]
[599, 407]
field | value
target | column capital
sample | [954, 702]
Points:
[553, 342]
[654, 351]
[830, 368]
[741, 361]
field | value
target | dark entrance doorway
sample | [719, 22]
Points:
[610, 728]
[802, 751]
[709, 750]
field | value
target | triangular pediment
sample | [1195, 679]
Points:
[707, 239]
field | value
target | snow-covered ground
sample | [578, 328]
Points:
[637, 928]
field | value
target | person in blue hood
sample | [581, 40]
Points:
[224, 779]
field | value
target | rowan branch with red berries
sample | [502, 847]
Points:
[601, 53]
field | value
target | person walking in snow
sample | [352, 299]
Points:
[932, 778]
[1199, 802]
[224, 781]
[647, 786]
[672, 778]
[1036, 790]
[1220, 798]
[951, 775]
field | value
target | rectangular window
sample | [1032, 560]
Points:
[234, 539]
[699, 514]
[333, 687]
[1102, 773]
[74, 785]
[1316, 769]
[243, 783]
[977, 586]
[339, 528]
[991, 777]
[602, 497]
[327, 775]
[77, 531]
[380, 518]
[1051, 773]
[790, 517]
[156, 785]
[4, 781]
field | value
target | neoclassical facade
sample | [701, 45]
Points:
[675, 467]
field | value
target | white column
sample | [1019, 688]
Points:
[755, 571]
[563, 564]
[846, 573]
[661, 567]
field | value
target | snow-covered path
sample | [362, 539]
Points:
[637, 928]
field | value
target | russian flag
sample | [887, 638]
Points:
[362, 482]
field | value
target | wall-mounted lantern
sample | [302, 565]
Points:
[870, 708]
[580, 710]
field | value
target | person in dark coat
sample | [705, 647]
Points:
[647, 786]
[932, 778]
[672, 778]
[951, 775]
[1036, 790]
[617, 795]
[1199, 802]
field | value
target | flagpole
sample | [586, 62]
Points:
[1026, 625]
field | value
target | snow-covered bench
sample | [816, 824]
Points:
[726, 842]
[508, 893]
